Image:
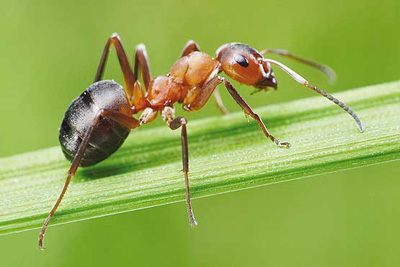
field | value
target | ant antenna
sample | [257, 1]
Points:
[305, 83]
[329, 72]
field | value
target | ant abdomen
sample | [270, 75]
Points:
[107, 136]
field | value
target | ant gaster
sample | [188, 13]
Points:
[99, 120]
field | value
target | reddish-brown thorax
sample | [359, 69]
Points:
[183, 82]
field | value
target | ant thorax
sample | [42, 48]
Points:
[183, 82]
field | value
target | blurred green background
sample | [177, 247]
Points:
[50, 51]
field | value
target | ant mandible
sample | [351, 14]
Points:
[99, 120]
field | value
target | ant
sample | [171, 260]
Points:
[99, 120]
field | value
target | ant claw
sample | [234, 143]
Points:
[284, 144]
[193, 223]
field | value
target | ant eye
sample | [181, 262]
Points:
[242, 60]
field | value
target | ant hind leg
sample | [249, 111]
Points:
[129, 77]
[118, 117]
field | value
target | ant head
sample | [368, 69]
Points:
[246, 65]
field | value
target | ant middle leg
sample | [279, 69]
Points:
[142, 62]
[168, 114]
[133, 90]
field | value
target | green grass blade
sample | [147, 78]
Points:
[226, 154]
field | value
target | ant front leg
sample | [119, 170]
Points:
[249, 111]
[205, 92]
[220, 104]
[192, 46]
[120, 118]
[168, 114]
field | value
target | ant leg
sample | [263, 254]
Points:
[129, 77]
[190, 47]
[120, 118]
[138, 98]
[148, 115]
[142, 61]
[248, 111]
[220, 104]
[173, 124]
[204, 94]
[305, 83]
[326, 69]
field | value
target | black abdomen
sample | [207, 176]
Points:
[107, 136]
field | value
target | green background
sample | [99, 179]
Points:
[48, 56]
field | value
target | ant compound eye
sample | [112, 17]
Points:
[241, 60]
